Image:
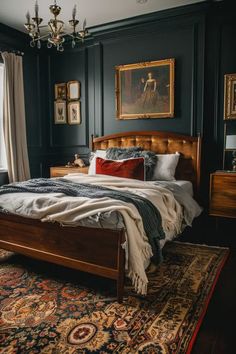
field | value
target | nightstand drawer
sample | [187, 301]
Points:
[61, 171]
[223, 194]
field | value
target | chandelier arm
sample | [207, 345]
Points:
[68, 34]
[44, 36]
[75, 36]
[38, 38]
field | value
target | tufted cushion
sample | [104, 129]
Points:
[131, 168]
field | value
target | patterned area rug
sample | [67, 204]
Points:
[49, 309]
[4, 255]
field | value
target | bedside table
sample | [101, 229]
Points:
[223, 194]
[61, 171]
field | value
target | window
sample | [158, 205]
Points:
[3, 161]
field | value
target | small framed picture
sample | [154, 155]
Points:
[60, 112]
[230, 97]
[60, 91]
[74, 113]
[73, 90]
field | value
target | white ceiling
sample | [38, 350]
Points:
[96, 12]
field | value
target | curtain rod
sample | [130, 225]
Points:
[18, 52]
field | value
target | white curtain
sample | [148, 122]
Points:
[3, 159]
[14, 118]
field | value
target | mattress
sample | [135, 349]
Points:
[186, 185]
[111, 219]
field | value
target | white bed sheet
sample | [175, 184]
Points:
[186, 185]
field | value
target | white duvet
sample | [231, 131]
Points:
[57, 207]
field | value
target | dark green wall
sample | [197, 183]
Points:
[178, 34]
[3, 178]
[220, 59]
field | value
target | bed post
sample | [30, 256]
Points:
[92, 143]
[198, 167]
[121, 267]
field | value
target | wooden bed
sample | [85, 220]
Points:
[78, 247]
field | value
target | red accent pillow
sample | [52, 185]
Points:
[130, 168]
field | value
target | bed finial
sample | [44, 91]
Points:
[92, 143]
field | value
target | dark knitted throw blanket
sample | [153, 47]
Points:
[150, 215]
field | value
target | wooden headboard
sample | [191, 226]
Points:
[161, 143]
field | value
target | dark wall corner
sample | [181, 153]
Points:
[3, 178]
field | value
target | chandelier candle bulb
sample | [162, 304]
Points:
[36, 9]
[74, 12]
[27, 18]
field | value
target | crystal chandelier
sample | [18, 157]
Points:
[56, 35]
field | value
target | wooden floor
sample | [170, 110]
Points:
[217, 334]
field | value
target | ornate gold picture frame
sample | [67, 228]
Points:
[60, 91]
[230, 96]
[145, 90]
[59, 112]
[73, 90]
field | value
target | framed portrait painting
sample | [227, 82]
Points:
[145, 90]
[230, 96]
[74, 113]
[60, 112]
[60, 91]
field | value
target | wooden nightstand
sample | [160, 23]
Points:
[223, 194]
[61, 171]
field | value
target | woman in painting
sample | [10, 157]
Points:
[150, 95]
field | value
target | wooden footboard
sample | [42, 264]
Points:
[93, 250]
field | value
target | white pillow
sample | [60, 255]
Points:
[165, 167]
[92, 166]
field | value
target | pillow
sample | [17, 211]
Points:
[165, 167]
[130, 168]
[92, 160]
[150, 158]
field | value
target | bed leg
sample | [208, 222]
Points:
[120, 288]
